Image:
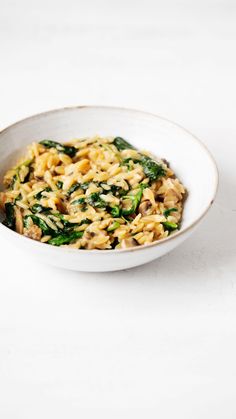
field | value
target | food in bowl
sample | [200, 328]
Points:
[92, 193]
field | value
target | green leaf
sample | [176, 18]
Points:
[85, 221]
[152, 169]
[84, 186]
[39, 222]
[131, 207]
[40, 194]
[15, 178]
[117, 190]
[122, 144]
[25, 163]
[10, 215]
[83, 208]
[115, 211]
[67, 224]
[168, 211]
[78, 201]
[96, 201]
[18, 198]
[114, 189]
[59, 184]
[27, 176]
[113, 226]
[73, 188]
[169, 226]
[135, 201]
[69, 150]
[39, 208]
[65, 238]
[127, 162]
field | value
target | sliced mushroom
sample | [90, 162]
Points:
[33, 232]
[130, 242]
[172, 195]
[166, 162]
[144, 207]
[89, 235]
[156, 185]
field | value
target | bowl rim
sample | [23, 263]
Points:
[143, 246]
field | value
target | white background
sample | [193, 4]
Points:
[159, 340]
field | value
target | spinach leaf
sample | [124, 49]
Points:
[113, 226]
[15, 178]
[69, 150]
[40, 194]
[27, 176]
[122, 144]
[84, 186]
[114, 189]
[117, 190]
[39, 222]
[169, 226]
[115, 211]
[152, 169]
[18, 198]
[168, 211]
[85, 221]
[67, 225]
[10, 215]
[127, 162]
[65, 238]
[59, 184]
[135, 201]
[96, 201]
[78, 201]
[115, 243]
[105, 187]
[73, 188]
[26, 163]
[39, 208]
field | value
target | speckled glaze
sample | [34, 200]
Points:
[163, 138]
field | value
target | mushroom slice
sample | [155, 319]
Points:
[144, 207]
[33, 232]
[130, 242]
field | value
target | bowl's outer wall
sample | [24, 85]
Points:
[189, 159]
[93, 261]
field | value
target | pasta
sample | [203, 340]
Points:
[92, 193]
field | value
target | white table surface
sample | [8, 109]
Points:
[159, 340]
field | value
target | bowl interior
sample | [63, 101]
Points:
[189, 159]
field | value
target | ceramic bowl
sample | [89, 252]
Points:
[189, 158]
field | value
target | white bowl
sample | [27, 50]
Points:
[188, 157]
